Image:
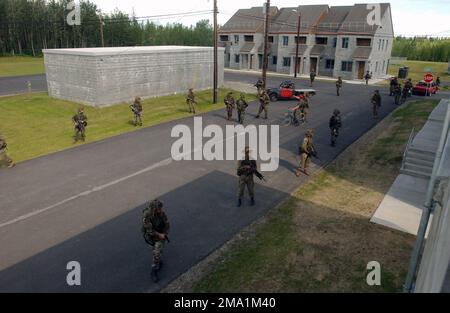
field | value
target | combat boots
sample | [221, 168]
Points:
[239, 202]
[252, 201]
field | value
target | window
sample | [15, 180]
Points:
[382, 45]
[274, 60]
[248, 38]
[345, 43]
[329, 64]
[236, 58]
[363, 42]
[285, 40]
[347, 66]
[301, 40]
[379, 44]
[334, 42]
[286, 62]
[236, 38]
[376, 67]
[224, 37]
[387, 44]
[321, 40]
[384, 65]
[270, 38]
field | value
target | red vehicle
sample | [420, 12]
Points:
[422, 88]
[287, 91]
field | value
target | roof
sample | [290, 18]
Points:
[247, 47]
[333, 19]
[124, 50]
[362, 53]
[356, 19]
[301, 49]
[287, 18]
[247, 20]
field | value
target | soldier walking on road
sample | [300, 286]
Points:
[304, 106]
[229, 105]
[335, 124]
[312, 76]
[259, 86]
[397, 94]
[155, 228]
[264, 104]
[80, 123]
[190, 101]
[338, 86]
[241, 106]
[376, 103]
[245, 170]
[367, 77]
[5, 160]
[306, 151]
[136, 107]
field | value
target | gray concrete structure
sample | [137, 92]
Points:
[334, 41]
[106, 76]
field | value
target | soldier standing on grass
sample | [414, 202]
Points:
[229, 105]
[155, 228]
[190, 100]
[80, 123]
[5, 160]
[136, 107]
[338, 86]
[241, 106]
[264, 104]
[376, 103]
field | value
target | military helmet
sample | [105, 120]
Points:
[309, 133]
[336, 112]
[156, 204]
[137, 99]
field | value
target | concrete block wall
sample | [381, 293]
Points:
[106, 76]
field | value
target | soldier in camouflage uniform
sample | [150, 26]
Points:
[306, 151]
[190, 101]
[338, 86]
[259, 86]
[245, 170]
[136, 107]
[304, 106]
[312, 77]
[5, 160]
[229, 105]
[155, 228]
[241, 106]
[264, 101]
[376, 103]
[80, 122]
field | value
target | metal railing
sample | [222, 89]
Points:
[405, 153]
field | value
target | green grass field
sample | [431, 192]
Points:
[18, 66]
[36, 124]
[417, 69]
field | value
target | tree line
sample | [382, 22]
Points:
[422, 48]
[28, 26]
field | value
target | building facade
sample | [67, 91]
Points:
[333, 41]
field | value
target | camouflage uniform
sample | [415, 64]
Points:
[338, 86]
[245, 170]
[259, 86]
[376, 103]
[306, 150]
[80, 122]
[335, 124]
[241, 106]
[190, 100]
[229, 104]
[5, 160]
[154, 224]
[312, 76]
[304, 106]
[136, 107]
[264, 104]
[367, 77]
[397, 94]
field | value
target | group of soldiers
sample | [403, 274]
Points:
[400, 94]
[240, 105]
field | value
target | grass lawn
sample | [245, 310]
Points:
[36, 124]
[417, 70]
[18, 66]
[321, 239]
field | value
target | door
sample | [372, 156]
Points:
[361, 69]
[251, 61]
[260, 60]
[313, 65]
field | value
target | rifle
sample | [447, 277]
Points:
[259, 175]
[314, 153]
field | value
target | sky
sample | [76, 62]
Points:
[410, 17]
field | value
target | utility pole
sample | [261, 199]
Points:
[215, 55]
[298, 42]
[101, 30]
[266, 45]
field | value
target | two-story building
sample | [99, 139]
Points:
[334, 41]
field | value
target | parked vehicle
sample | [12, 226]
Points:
[287, 91]
[422, 88]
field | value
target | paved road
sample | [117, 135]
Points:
[18, 85]
[84, 204]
